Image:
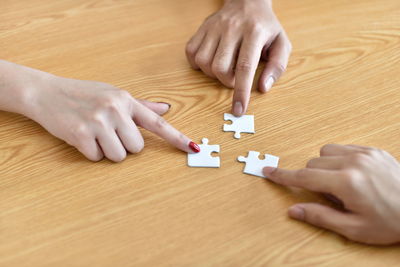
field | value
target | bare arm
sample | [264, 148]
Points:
[96, 118]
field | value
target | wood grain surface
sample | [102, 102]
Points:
[59, 209]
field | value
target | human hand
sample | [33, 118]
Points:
[366, 180]
[100, 119]
[229, 44]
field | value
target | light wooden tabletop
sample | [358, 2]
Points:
[59, 209]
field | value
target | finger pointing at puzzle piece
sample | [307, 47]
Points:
[255, 166]
[204, 158]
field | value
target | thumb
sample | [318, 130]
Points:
[158, 107]
[326, 217]
[277, 57]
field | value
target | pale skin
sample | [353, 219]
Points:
[96, 118]
[230, 43]
[101, 120]
[367, 182]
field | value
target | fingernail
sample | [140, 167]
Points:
[237, 109]
[194, 147]
[297, 212]
[169, 105]
[268, 171]
[269, 83]
[165, 109]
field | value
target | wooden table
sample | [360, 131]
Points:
[59, 209]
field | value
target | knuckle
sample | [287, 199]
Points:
[231, 21]
[353, 179]
[135, 102]
[355, 231]
[241, 93]
[385, 153]
[80, 133]
[230, 83]
[256, 28]
[111, 104]
[124, 95]
[373, 152]
[244, 65]
[222, 55]
[211, 17]
[179, 138]
[116, 103]
[98, 119]
[358, 158]
[279, 68]
[190, 49]
[315, 218]
[287, 43]
[218, 67]
[201, 60]
[302, 174]
[160, 122]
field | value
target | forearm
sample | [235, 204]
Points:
[17, 86]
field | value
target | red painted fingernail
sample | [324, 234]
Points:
[194, 147]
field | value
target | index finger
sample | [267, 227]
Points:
[338, 150]
[317, 180]
[249, 56]
[151, 121]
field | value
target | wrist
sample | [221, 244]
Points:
[13, 87]
[20, 88]
[28, 96]
[32, 93]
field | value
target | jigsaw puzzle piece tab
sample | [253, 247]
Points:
[204, 158]
[254, 165]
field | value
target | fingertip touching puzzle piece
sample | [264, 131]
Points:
[243, 124]
[254, 165]
[204, 157]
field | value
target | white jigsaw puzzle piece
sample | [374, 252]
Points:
[254, 165]
[204, 158]
[242, 124]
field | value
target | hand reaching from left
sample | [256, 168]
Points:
[96, 118]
